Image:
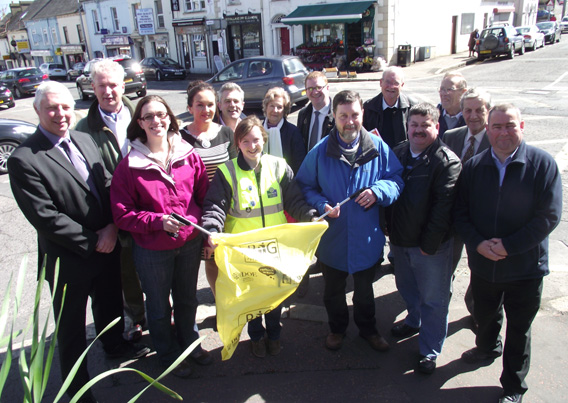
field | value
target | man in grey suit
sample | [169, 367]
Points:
[466, 142]
[62, 187]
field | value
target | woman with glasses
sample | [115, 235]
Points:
[213, 143]
[162, 175]
[284, 139]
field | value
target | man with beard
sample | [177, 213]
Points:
[349, 160]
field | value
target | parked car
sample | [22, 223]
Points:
[75, 71]
[500, 40]
[133, 78]
[551, 31]
[54, 71]
[564, 24]
[23, 80]
[533, 37]
[256, 75]
[6, 97]
[161, 68]
[12, 134]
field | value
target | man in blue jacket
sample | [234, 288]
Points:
[509, 200]
[347, 160]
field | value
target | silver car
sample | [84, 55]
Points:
[54, 71]
[533, 37]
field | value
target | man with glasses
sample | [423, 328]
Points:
[451, 90]
[388, 111]
[315, 120]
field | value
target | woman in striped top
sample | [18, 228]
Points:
[213, 142]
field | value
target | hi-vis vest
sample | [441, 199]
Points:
[251, 200]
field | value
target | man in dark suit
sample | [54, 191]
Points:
[452, 88]
[465, 142]
[315, 120]
[388, 111]
[61, 185]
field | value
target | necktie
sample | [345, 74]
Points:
[470, 150]
[81, 166]
[314, 133]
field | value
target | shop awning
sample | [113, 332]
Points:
[328, 13]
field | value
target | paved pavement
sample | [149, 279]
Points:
[306, 372]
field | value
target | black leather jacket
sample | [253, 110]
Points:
[422, 215]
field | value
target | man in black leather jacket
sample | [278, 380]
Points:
[419, 227]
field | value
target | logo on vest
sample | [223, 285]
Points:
[272, 193]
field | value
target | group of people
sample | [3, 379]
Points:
[101, 198]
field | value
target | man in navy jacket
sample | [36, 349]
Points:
[509, 200]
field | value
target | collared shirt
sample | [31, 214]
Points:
[57, 140]
[502, 167]
[385, 105]
[117, 123]
[478, 137]
[451, 121]
[323, 112]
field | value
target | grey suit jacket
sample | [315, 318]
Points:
[58, 203]
[455, 139]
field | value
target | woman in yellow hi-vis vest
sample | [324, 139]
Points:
[250, 192]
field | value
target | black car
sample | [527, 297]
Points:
[551, 31]
[161, 68]
[134, 79]
[23, 80]
[6, 97]
[12, 134]
[75, 71]
[256, 75]
[500, 40]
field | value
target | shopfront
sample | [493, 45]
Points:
[192, 40]
[117, 45]
[244, 36]
[72, 54]
[335, 35]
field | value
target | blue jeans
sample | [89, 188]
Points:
[273, 327]
[163, 272]
[424, 282]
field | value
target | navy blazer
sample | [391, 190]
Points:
[305, 122]
[455, 140]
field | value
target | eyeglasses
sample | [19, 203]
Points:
[448, 90]
[312, 89]
[150, 117]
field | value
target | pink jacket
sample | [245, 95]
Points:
[142, 191]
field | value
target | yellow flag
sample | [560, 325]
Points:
[258, 270]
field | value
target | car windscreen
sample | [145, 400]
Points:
[545, 25]
[494, 31]
[29, 73]
[167, 62]
[57, 66]
[523, 30]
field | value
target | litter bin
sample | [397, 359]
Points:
[403, 55]
[423, 53]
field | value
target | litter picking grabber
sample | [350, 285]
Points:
[185, 221]
[354, 195]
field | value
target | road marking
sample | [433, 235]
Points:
[554, 141]
[562, 158]
[551, 85]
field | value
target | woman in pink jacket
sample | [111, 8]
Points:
[161, 175]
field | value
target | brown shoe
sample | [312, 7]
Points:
[377, 342]
[259, 348]
[333, 341]
[274, 347]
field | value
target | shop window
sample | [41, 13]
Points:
[96, 22]
[159, 13]
[199, 47]
[251, 40]
[325, 33]
[235, 72]
[115, 20]
[467, 20]
[194, 5]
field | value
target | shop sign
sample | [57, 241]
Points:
[188, 23]
[243, 19]
[114, 40]
[41, 53]
[145, 19]
[23, 46]
[190, 30]
[58, 52]
[158, 38]
[71, 49]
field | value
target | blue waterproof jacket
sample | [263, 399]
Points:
[354, 240]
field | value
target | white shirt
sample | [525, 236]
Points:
[478, 137]
[118, 127]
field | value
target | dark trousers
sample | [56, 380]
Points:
[106, 304]
[521, 301]
[273, 327]
[363, 300]
[456, 256]
[131, 287]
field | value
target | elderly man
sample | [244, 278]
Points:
[347, 161]
[466, 142]
[61, 185]
[315, 120]
[106, 122]
[452, 88]
[230, 105]
[388, 111]
[509, 201]
[419, 225]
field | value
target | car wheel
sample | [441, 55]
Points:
[142, 93]
[17, 93]
[159, 76]
[69, 77]
[11, 105]
[553, 40]
[558, 39]
[6, 149]
[480, 58]
[82, 94]
[522, 50]
[511, 54]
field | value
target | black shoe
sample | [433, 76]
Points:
[403, 331]
[128, 350]
[426, 365]
[201, 357]
[304, 286]
[183, 370]
[476, 356]
[511, 398]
